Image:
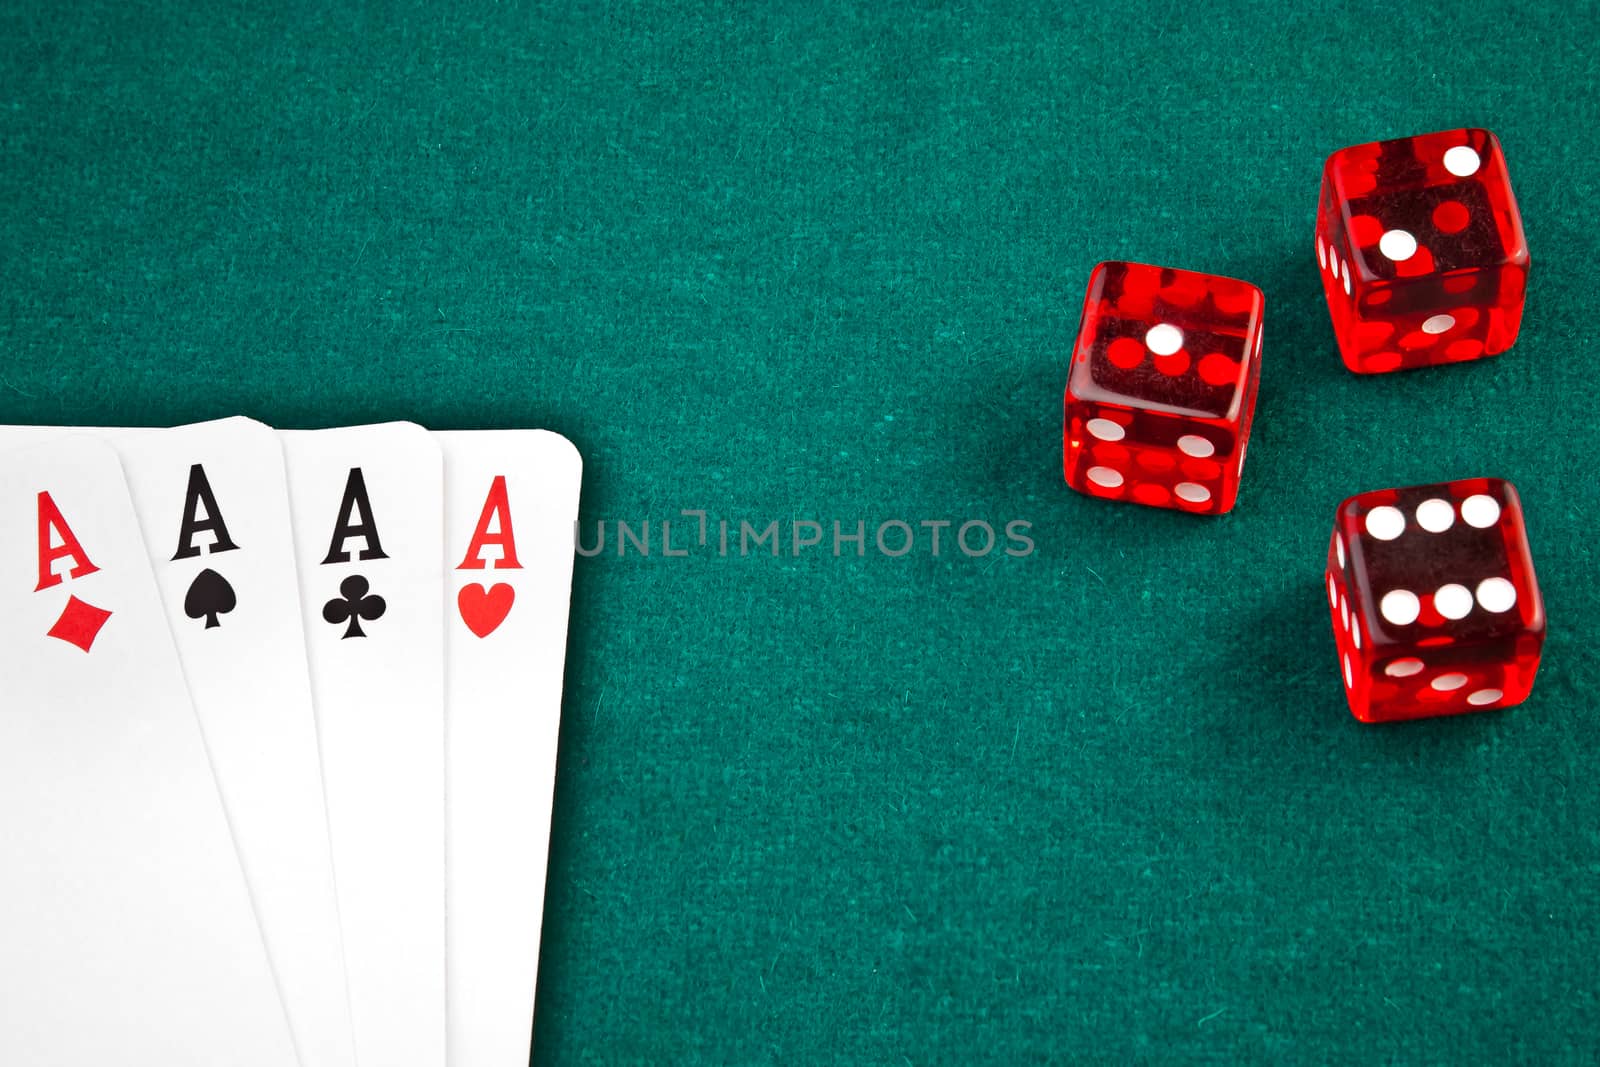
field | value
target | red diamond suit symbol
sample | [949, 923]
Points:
[80, 623]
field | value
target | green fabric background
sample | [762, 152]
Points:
[823, 261]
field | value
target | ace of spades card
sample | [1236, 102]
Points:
[128, 932]
[368, 534]
[213, 505]
[511, 501]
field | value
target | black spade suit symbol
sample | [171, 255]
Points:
[209, 598]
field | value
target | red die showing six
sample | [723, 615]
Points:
[1422, 253]
[1435, 606]
[1162, 387]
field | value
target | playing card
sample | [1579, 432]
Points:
[127, 932]
[368, 524]
[511, 501]
[213, 505]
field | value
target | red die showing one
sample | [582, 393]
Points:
[1435, 607]
[1422, 254]
[1163, 386]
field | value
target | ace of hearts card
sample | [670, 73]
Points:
[511, 501]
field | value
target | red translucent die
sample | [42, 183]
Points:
[1435, 606]
[1162, 387]
[1421, 248]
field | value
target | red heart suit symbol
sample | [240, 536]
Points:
[483, 610]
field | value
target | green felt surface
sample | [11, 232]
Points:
[822, 261]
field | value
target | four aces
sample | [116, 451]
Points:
[336, 605]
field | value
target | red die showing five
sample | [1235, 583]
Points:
[1162, 387]
[1435, 606]
[1422, 253]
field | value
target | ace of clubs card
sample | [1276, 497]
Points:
[511, 502]
[128, 931]
[367, 506]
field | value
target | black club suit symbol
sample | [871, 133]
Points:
[354, 603]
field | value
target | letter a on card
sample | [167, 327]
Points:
[511, 501]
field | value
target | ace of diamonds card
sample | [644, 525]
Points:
[127, 932]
